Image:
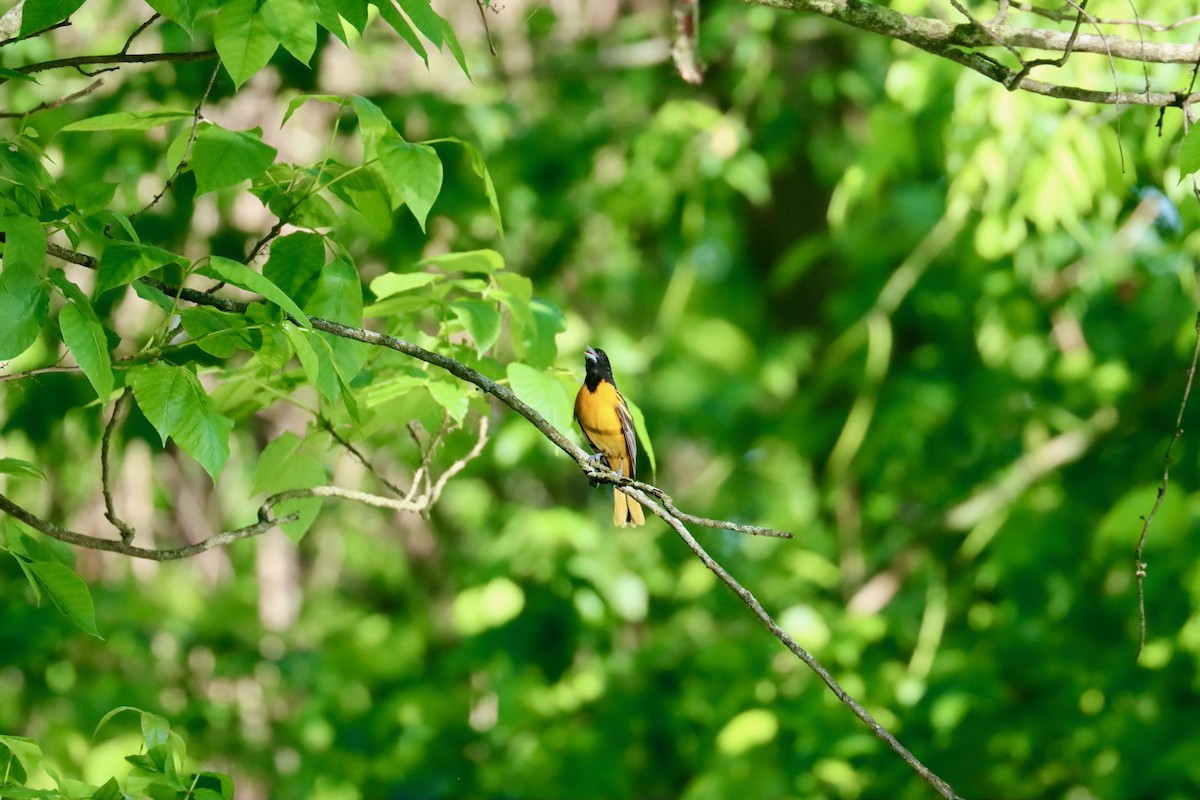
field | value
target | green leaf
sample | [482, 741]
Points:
[452, 396]
[223, 157]
[177, 406]
[125, 262]
[295, 264]
[24, 298]
[396, 282]
[399, 24]
[292, 23]
[545, 393]
[364, 191]
[540, 340]
[489, 188]
[85, 338]
[481, 319]
[453, 45]
[109, 716]
[639, 425]
[354, 11]
[111, 790]
[240, 275]
[1189, 152]
[373, 125]
[13, 75]
[38, 15]
[155, 730]
[425, 18]
[338, 298]
[282, 467]
[25, 751]
[300, 100]
[128, 120]
[218, 333]
[19, 468]
[68, 593]
[414, 172]
[308, 357]
[243, 41]
[178, 11]
[486, 261]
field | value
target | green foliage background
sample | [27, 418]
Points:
[937, 330]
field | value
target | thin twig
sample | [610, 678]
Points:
[49, 104]
[1060, 16]
[187, 151]
[138, 32]
[1026, 66]
[487, 31]
[779, 633]
[358, 455]
[1139, 566]
[105, 474]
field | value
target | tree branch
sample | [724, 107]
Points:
[779, 633]
[1139, 565]
[947, 40]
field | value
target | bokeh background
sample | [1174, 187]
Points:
[938, 330]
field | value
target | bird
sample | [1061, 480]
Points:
[607, 426]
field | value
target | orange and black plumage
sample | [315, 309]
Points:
[607, 426]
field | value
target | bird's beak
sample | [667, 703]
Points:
[589, 353]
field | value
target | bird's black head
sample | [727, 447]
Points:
[595, 361]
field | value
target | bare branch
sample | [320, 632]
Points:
[116, 58]
[49, 104]
[105, 475]
[779, 633]
[1139, 566]
[958, 43]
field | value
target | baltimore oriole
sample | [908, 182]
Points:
[604, 418]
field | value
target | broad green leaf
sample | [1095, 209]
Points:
[399, 24]
[94, 196]
[218, 333]
[178, 11]
[111, 790]
[85, 338]
[281, 467]
[364, 191]
[24, 244]
[68, 593]
[240, 275]
[354, 12]
[338, 298]
[452, 396]
[295, 264]
[243, 40]
[1189, 153]
[540, 339]
[38, 15]
[373, 125]
[177, 406]
[129, 120]
[389, 389]
[397, 282]
[223, 157]
[481, 319]
[24, 297]
[414, 172]
[26, 752]
[19, 468]
[292, 23]
[545, 393]
[155, 730]
[639, 425]
[471, 261]
[125, 262]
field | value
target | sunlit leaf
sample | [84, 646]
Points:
[68, 593]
